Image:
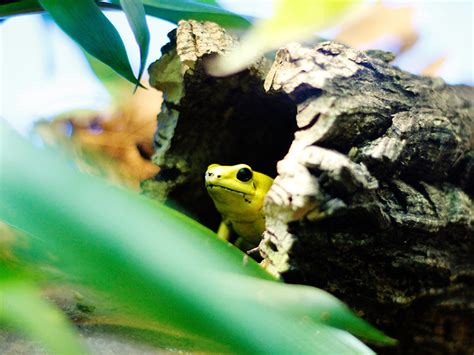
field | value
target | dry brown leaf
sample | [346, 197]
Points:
[432, 69]
[117, 145]
[381, 21]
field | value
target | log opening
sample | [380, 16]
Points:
[206, 120]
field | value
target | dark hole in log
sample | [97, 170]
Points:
[272, 245]
[304, 92]
[226, 121]
[168, 174]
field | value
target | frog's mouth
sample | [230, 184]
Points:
[213, 186]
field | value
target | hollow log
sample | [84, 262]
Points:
[373, 166]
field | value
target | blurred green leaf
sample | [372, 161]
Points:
[294, 20]
[308, 302]
[136, 18]
[87, 25]
[23, 309]
[161, 264]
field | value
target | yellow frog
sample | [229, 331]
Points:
[238, 193]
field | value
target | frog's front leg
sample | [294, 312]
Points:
[224, 232]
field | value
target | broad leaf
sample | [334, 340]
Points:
[202, 10]
[155, 261]
[306, 302]
[136, 18]
[87, 25]
[170, 10]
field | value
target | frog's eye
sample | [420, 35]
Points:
[244, 174]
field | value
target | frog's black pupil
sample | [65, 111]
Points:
[244, 174]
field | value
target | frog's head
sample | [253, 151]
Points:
[230, 182]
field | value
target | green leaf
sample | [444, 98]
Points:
[136, 18]
[23, 309]
[156, 262]
[87, 25]
[307, 302]
[19, 7]
[170, 10]
[294, 20]
[201, 10]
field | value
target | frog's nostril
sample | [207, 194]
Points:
[218, 176]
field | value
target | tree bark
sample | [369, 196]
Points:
[372, 199]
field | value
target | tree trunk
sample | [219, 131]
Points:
[372, 199]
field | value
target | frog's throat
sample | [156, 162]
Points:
[212, 186]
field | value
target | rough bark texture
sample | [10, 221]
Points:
[373, 199]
